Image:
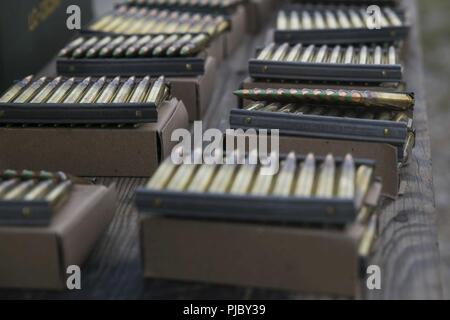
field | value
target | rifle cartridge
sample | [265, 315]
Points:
[325, 185]
[285, 178]
[15, 89]
[45, 93]
[76, 94]
[346, 187]
[93, 92]
[141, 90]
[305, 182]
[30, 91]
[61, 92]
[108, 92]
[124, 92]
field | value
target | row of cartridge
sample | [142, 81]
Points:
[134, 20]
[34, 186]
[334, 18]
[135, 46]
[334, 54]
[87, 91]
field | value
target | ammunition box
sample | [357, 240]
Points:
[22, 211]
[250, 83]
[67, 240]
[218, 47]
[322, 134]
[236, 34]
[258, 12]
[95, 150]
[77, 113]
[192, 79]
[351, 35]
[152, 66]
[195, 92]
[324, 127]
[331, 72]
[212, 234]
[228, 206]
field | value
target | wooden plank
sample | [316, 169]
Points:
[407, 246]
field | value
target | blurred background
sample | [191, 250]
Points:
[435, 29]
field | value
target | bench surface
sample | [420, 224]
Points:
[406, 248]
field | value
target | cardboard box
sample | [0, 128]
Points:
[195, 92]
[187, 236]
[237, 33]
[258, 13]
[277, 257]
[38, 257]
[129, 152]
[216, 48]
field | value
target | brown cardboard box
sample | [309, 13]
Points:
[289, 257]
[195, 92]
[278, 257]
[38, 257]
[258, 14]
[235, 36]
[216, 48]
[129, 152]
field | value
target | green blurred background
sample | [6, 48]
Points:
[435, 29]
[435, 32]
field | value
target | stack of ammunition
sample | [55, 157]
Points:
[29, 197]
[100, 47]
[337, 24]
[302, 191]
[100, 91]
[352, 63]
[335, 18]
[207, 5]
[300, 109]
[363, 55]
[370, 116]
[133, 20]
[129, 100]
[310, 206]
[365, 99]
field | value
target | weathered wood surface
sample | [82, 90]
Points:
[406, 248]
